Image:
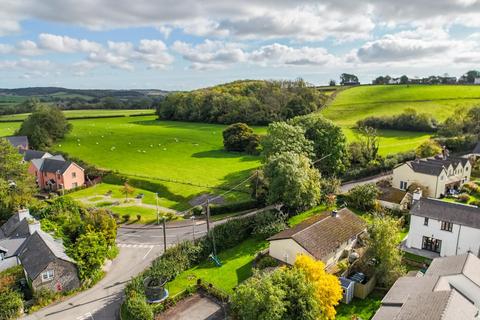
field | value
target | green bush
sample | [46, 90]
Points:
[11, 304]
[126, 217]
[266, 262]
[136, 308]
[363, 197]
[43, 297]
[464, 197]
[233, 207]
[267, 224]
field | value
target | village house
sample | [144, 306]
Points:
[439, 228]
[43, 259]
[449, 289]
[393, 198]
[438, 175]
[19, 142]
[56, 174]
[326, 237]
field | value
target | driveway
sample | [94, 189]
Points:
[196, 307]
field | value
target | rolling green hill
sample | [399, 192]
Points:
[357, 103]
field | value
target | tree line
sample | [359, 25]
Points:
[251, 102]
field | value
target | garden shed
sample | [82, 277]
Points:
[348, 287]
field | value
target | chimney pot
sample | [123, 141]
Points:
[334, 213]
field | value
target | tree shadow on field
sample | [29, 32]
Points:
[220, 153]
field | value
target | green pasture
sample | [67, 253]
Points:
[85, 113]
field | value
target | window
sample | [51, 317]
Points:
[47, 275]
[403, 185]
[441, 177]
[74, 185]
[447, 226]
[74, 174]
[431, 244]
[2, 256]
[466, 169]
[425, 222]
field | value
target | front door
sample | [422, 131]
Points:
[432, 244]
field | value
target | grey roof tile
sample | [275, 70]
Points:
[447, 211]
[17, 141]
[54, 165]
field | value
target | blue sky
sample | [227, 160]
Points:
[188, 44]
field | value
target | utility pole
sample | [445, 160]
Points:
[164, 236]
[158, 213]
[208, 216]
[193, 226]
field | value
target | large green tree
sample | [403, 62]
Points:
[44, 126]
[17, 186]
[240, 137]
[383, 240]
[293, 181]
[284, 294]
[90, 251]
[329, 143]
[284, 137]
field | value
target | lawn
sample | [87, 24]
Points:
[236, 267]
[364, 309]
[357, 103]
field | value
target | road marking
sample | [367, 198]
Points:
[86, 316]
[132, 245]
[146, 254]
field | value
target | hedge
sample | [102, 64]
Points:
[11, 304]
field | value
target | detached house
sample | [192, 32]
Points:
[439, 228]
[43, 258]
[449, 290]
[325, 237]
[439, 176]
[19, 142]
[55, 174]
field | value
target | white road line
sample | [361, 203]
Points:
[146, 254]
[86, 316]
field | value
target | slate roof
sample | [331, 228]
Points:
[392, 195]
[29, 155]
[476, 150]
[323, 234]
[434, 166]
[38, 251]
[17, 141]
[447, 211]
[54, 165]
[12, 245]
[418, 298]
[14, 226]
[466, 264]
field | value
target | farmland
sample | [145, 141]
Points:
[357, 103]
[85, 113]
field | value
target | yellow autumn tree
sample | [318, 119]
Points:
[327, 287]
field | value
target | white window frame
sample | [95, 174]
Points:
[403, 185]
[48, 275]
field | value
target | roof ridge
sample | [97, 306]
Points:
[325, 216]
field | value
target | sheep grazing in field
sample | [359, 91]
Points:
[151, 146]
[164, 149]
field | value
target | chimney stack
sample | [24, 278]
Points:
[334, 213]
[417, 195]
[23, 214]
[33, 225]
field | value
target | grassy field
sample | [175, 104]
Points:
[364, 309]
[84, 113]
[357, 103]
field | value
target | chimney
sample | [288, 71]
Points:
[417, 195]
[23, 214]
[334, 213]
[33, 225]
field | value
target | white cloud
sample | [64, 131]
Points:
[278, 54]
[27, 64]
[66, 44]
[210, 54]
[5, 48]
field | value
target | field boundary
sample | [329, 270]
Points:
[402, 101]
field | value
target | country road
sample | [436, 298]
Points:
[139, 246]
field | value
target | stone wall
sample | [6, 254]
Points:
[65, 277]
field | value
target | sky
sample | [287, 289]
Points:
[188, 44]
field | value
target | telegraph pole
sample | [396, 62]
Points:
[158, 212]
[208, 216]
[164, 236]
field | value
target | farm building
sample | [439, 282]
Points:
[438, 175]
[326, 237]
[449, 289]
[394, 199]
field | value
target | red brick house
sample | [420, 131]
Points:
[56, 174]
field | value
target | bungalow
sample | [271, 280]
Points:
[19, 142]
[440, 176]
[325, 237]
[439, 228]
[449, 289]
[44, 261]
[54, 173]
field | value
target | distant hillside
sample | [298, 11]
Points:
[14, 101]
[357, 103]
[249, 101]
